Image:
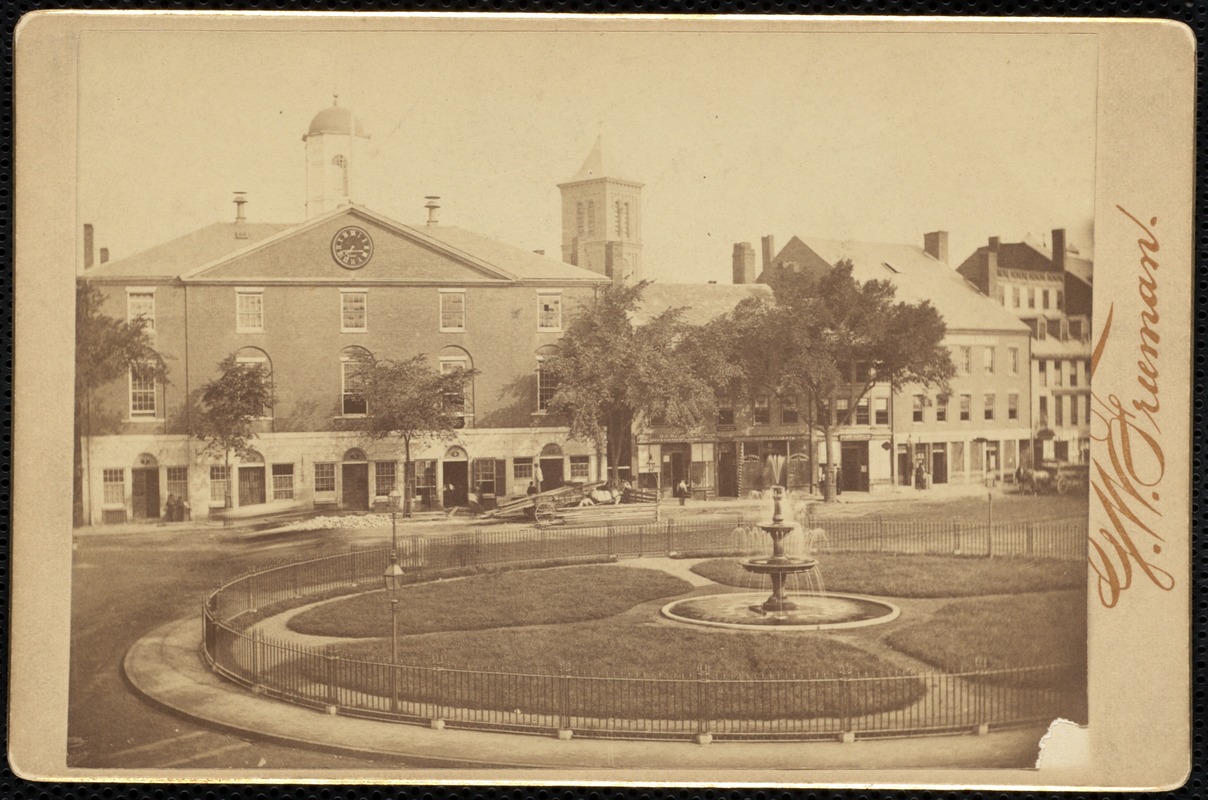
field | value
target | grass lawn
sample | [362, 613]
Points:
[643, 653]
[919, 576]
[1009, 506]
[1000, 632]
[507, 599]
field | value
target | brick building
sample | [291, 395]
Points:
[300, 299]
[1049, 289]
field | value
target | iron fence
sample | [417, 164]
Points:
[791, 708]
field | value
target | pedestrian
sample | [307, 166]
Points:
[681, 491]
[532, 489]
[839, 479]
[170, 508]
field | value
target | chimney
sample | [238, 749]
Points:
[1059, 249]
[769, 251]
[87, 245]
[240, 219]
[992, 272]
[936, 245]
[994, 244]
[104, 254]
[432, 207]
[744, 263]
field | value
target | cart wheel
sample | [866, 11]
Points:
[546, 513]
[1062, 485]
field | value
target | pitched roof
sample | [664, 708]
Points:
[917, 276]
[701, 302]
[597, 166]
[524, 264]
[183, 253]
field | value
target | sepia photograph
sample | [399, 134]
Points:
[503, 399]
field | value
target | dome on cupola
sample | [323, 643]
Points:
[336, 119]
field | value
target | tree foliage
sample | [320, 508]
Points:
[229, 406]
[805, 341]
[106, 349]
[409, 400]
[614, 375]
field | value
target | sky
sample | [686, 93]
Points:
[877, 137]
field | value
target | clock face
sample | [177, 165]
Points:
[351, 247]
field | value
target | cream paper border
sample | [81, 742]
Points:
[1139, 736]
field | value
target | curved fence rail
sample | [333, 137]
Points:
[845, 707]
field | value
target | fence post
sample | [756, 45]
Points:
[1030, 535]
[257, 660]
[438, 677]
[564, 729]
[670, 536]
[703, 713]
[847, 735]
[332, 677]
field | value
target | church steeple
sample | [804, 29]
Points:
[602, 219]
[333, 152]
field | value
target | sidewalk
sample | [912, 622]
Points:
[165, 666]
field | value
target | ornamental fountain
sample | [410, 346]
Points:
[810, 609]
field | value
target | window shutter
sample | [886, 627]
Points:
[501, 477]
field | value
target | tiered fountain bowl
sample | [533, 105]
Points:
[809, 610]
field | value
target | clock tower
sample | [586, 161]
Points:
[602, 220]
[335, 145]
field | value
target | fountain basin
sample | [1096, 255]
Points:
[778, 564]
[811, 612]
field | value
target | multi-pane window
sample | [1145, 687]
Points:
[178, 481]
[547, 386]
[1031, 297]
[1058, 409]
[549, 312]
[762, 413]
[941, 409]
[725, 410]
[881, 410]
[219, 478]
[1060, 299]
[254, 358]
[990, 400]
[1002, 295]
[522, 469]
[1044, 299]
[325, 481]
[455, 400]
[1013, 359]
[1044, 411]
[1043, 366]
[283, 481]
[354, 311]
[141, 303]
[1058, 375]
[1015, 296]
[1073, 373]
[352, 396]
[1073, 410]
[115, 486]
[966, 407]
[384, 478]
[788, 411]
[988, 360]
[484, 475]
[1013, 406]
[842, 406]
[249, 311]
[580, 467]
[142, 391]
[862, 372]
[966, 360]
[916, 414]
[862, 411]
[452, 311]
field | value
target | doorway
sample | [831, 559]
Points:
[551, 473]
[457, 483]
[145, 493]
[853, 476]
[939, 463]
[355, 494]
[727, 471]
[251, 485]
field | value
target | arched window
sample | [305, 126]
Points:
[341, 163]
[579, 222]
[256, 358]
[352, 396]
[455, 359]
[591, 217]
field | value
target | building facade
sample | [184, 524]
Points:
[300, 301]
[1050, 290]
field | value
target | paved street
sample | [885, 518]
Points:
[123, 586]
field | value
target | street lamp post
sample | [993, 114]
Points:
[392, 579]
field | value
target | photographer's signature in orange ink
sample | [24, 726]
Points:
[1127, 480]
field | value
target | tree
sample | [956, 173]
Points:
[106, 349]
[229, 407]
[613, 376]
[808, 339]
[410, 400]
